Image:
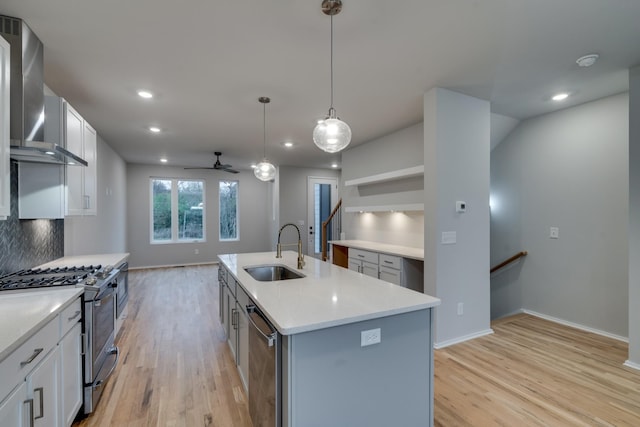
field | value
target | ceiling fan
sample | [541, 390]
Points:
[219, 166]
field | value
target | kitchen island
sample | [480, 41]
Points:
[333, 370]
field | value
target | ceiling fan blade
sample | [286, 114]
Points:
[230, 170]
[202, 168]
[224, 166]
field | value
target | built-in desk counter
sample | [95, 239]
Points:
[401, 265]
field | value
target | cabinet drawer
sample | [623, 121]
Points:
[18, 364]
[363, 255]
[390, 261]
[70, 316]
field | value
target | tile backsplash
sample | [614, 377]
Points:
[27, 243]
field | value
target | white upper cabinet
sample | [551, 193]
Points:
[5, 169]
[65, 126]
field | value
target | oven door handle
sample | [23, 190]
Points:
[113, 350]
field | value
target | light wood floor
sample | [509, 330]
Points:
[176, 369]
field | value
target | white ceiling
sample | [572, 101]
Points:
[209, 61]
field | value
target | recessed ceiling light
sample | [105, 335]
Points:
[288, 144]
[51, 153]
[145, 94]
[560, 96]
[154, 129]
[253, 165]
[334, 165]
[587, 60]
[163, 160]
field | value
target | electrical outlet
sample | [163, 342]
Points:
[460, 309]
[196, 251]
[554, 233]
[372, 336]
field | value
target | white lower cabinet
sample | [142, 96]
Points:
[71, 375]
[14, 411]
[41, 380]
[42, 387]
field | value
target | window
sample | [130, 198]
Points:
[228, 210]
[177, 210]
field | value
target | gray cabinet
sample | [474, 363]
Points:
[233, 316]
[364, 262]
[243, 301]
[5, 170]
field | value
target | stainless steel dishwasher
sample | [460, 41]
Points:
[264, 371]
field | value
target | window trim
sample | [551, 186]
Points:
[237, 238]
[174, 212]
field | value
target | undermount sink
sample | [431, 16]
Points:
[271, 273]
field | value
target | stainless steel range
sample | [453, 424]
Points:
[100, 355]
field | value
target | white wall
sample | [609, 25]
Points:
[253, 209]
[634, 218]
[399, 150]
[456, 160]
[105, 232]
[566, 169]
[293, 189]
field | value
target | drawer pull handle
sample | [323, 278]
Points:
[76, 314]
[388, 262]
[40, 391]
[361, 256]
[35, 354]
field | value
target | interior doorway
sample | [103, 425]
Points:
[322, 196]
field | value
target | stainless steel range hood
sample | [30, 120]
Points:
[27, 98]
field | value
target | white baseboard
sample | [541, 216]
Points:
[513, 313]
[151, 267]
[632, 365]
[576, 325]
[447, 343]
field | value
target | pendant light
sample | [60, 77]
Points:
[264, 170]
[332, 134]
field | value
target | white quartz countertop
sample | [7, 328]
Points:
[403, 251]
[79, 260]
[22, 314]
[327, 296]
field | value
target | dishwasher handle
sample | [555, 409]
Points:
[271, 338]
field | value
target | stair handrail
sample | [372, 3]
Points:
[325, 224]
[509, 261]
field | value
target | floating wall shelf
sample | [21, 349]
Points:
[387, 208]
[387, 176]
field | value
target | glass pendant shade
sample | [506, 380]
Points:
[265, 171]
[332, 135]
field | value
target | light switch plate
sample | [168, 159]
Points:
[448, 237]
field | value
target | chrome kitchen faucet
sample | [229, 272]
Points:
[280, 245]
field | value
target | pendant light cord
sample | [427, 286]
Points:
[264, 128]
[331, 62]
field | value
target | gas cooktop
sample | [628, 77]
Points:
[51, 277]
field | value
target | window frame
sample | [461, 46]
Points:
[237, 238]
[175, 220]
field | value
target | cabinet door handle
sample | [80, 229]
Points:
[233, 318]
[76, 314]
[35, 354]
[31, 419]
[87, 202]
[40, 391]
